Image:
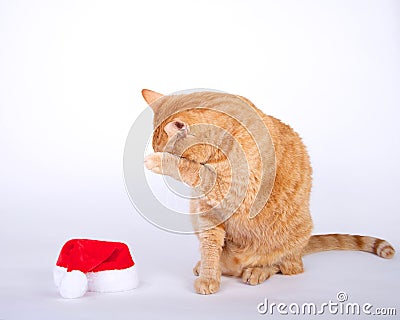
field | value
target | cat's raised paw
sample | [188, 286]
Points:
[153, 162]
[206, 285]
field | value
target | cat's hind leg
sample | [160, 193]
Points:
[257, 275]
[291, 265]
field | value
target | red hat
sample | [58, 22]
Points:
[93, 265]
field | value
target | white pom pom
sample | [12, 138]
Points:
[74, 284]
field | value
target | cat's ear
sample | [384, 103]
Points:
[176, 126]
[150, 96]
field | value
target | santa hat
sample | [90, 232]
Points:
[93, 265]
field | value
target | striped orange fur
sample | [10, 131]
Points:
[326, 242]
[253, 248]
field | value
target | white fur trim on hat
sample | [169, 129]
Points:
[102, 281]
[113, 280]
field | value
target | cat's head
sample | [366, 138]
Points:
[187, 125]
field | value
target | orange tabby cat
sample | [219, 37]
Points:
[198, 142]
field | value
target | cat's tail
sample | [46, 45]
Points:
[326, 242]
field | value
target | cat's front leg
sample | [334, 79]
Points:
[162, 163]
[176, 167]
[194, 174]
[211, 243]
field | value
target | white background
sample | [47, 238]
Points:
[70, 79]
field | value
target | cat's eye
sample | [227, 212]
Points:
[176, 127]
[179, 125]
